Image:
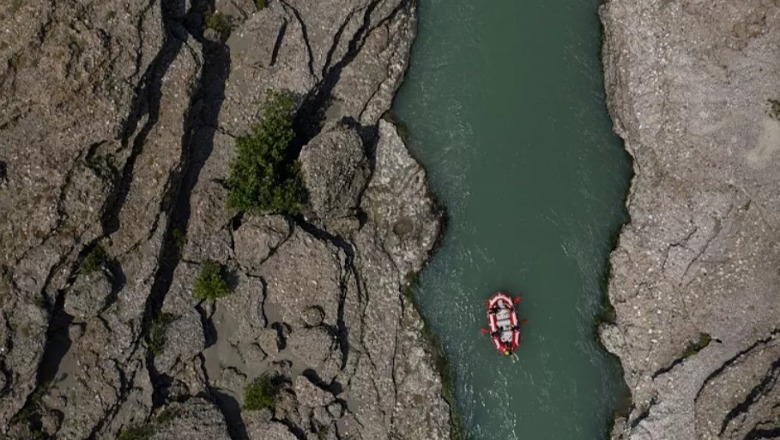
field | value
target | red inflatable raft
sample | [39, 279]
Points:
[504, 326]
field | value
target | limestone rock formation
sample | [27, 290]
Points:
[694, 90]
[335, 166]
[117, 129]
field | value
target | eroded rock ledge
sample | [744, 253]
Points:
[694, 88]
[117, 124]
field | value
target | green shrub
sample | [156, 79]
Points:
[262, 178]
[102, 166]
[260, 4]
[30, 414]
[41, 301]
[260, 393]
[6, 281]
[166, 415]
[147, 430]
[136, 432]
[321, 430]
[218, 21]
[178, 240]
[157, 333]
[94, 260]
[696, 346]
[774, 109]
[400, 126]
[212, 282]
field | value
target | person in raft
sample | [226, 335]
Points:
[504, 335]
[501, 336]
[496, 309]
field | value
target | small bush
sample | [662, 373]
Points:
[136, 432]
[178, 240]
[30, 414]
[774, 109]
[6, 281]
[261, 4]
[166, 415]
[696, 346]
[219, 22]
[261, 393]
[94, 260]
[102, 166]
[262, 178]
[400, 126]
[41, 301]
[321, 430]
[157, 333]
[211, 283]
[147, 430]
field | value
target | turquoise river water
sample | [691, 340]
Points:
[505, 108]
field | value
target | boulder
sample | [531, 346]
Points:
[88, 295]
[311, 345]
[196, 418]
[335, 169]
[257, 238]
[310, 394]
[304, 272]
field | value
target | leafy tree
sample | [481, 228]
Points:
[262, 178]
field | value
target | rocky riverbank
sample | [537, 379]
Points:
[693, 88]
[117, 129]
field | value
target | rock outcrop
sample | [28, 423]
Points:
[694, 90]
[117, 129]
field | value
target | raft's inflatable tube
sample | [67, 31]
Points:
[503, 322]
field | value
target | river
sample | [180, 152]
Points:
[505, 108]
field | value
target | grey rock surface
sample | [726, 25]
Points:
[196, 419]
[313, 395]
[257, 237]
[117, 128]
[304, 272]
[695, 281]
[88, 295]
[336, 168]
[270, 431]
